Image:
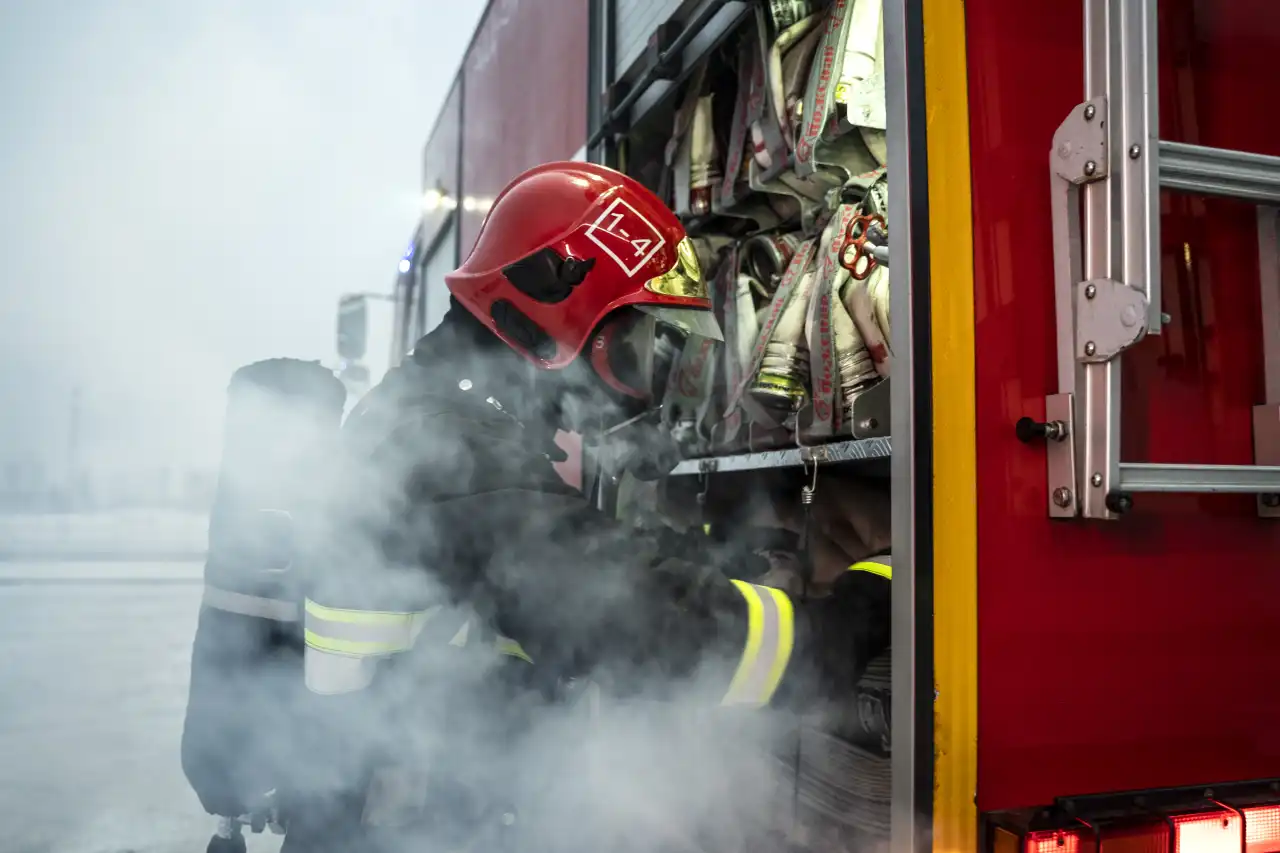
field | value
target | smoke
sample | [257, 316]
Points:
[205, 195]
[190, 187]
[187, 188]
[608, 737]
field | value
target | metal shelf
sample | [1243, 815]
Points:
[852, 450]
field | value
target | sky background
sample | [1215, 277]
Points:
[187, 186]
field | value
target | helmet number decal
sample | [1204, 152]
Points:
[625, 236]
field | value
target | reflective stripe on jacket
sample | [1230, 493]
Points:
[258, 606]
[344, 646]
[881, 564]
[770, 637]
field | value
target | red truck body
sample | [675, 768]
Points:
[1140, 653]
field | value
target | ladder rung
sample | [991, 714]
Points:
[1245, 479]
[1220, 172]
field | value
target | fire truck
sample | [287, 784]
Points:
[1080, 417]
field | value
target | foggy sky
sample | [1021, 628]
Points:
[187, 186]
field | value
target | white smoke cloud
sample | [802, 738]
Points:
[658, 767]
[194, 185]
[189, 187]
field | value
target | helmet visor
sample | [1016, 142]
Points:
[690, 321]
[684, 280]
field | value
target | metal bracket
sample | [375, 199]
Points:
[1110, 318]
[1080, 143]
[870, 415]
[1064, 494]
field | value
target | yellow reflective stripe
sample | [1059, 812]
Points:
[770, 638]
[358, 617]
[706, 529]
[510, 648]
[361, 632]
[358, 648]
[755, 636]
[875, 567]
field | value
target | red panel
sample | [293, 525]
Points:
[524, 95]
[1144, 652]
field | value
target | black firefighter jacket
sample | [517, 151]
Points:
[465, 587]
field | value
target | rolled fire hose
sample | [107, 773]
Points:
[855, 363]
[781, 383]
[859, 59]
[762, 260]
[863, 307]
[703, 159]
[784, 13]
[748, 323]
[876, 288]
[861, 87]
[787, 75]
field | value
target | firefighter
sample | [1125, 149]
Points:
[452, 540]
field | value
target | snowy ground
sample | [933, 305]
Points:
[97, 614]
[94, 679]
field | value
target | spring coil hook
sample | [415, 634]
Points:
[807, 494]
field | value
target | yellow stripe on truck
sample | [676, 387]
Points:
[955, 573]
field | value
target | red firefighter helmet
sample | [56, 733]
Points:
[565, 245]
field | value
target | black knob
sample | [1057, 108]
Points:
[1119, 502]
[1029, 430]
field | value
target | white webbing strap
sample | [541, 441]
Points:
[798, 266]
[827, 410]
[819, 96]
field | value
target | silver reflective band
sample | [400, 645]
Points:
[770, 637]
[276, 609]
[332, 674]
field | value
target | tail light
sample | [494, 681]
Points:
[1248, 830]
[1224, 831]
[1054, 842]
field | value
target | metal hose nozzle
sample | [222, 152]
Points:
[783, 376]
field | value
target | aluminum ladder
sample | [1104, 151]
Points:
[1107, 168]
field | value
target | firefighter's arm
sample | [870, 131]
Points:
[581, 591]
